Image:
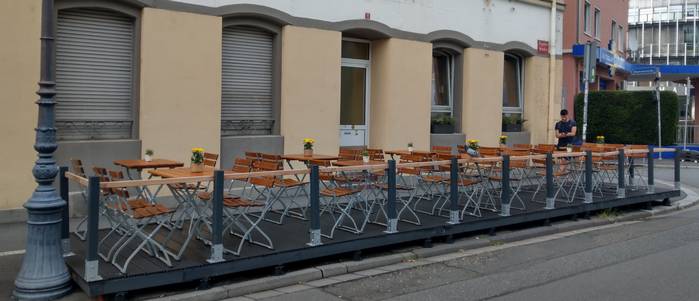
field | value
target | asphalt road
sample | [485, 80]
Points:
[651, 260]
[654, 259]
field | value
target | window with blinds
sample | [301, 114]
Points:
[246, 96]
[94, 75]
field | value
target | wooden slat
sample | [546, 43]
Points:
[71, 176]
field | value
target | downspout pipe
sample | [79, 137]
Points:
[552, 70]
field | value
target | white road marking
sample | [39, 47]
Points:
[10, 253]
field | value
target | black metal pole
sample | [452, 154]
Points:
[391, 214]
[651, 170]
[315, 206]
[217, 219]
[677, 170]
[550, 189]
[621, 178]
[454, 191]
[588, 176]
[506, 193]
[65, 225]
[43, 274]
[93, 200]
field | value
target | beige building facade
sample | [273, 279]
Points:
[236, 77]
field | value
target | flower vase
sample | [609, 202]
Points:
[197, 167]
[147, 158]
[365, 159]
[569, 149]
[410, 149]
[308, 152]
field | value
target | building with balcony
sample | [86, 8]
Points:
[601, 21]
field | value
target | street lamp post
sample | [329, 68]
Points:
[44, 275]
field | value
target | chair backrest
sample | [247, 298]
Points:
[375, 154]
[461, 148]
[523, 146]
[546, 147]
[210, 159]
[252, 155]
[76, 167]
[242, 165]
[100, 172]
[320, 163]
[439, 149]
[119, 191]
[615, 146]
[349, 154]
[486, 151]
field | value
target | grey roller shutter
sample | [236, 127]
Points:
[94, 75]
[246, 96]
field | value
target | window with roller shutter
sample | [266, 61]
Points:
[94, 75]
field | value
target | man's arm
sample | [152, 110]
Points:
[573, 131]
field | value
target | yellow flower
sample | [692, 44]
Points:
[197, 150]
[308, 140]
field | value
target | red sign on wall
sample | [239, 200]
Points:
[542, 46]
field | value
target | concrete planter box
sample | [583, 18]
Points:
[517, 138]
[447, 140]
[235, 147]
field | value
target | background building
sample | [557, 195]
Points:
[231, 76]
[664, 32]
[606, 23]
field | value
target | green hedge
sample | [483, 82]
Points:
[628, 117]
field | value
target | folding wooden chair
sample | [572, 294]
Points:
[438, 149]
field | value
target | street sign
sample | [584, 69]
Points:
[542, 47]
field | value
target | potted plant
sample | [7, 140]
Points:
[308, 147]
[472, 147]
[569, 148]
[365, 156]
[599, 139]
[503, 140]
[512, 123]
[443, 125]
[149, 155]
[197, 164]
[410, 147]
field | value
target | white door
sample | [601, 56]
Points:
[354, 96]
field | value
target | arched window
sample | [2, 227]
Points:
[250, 80]
[95, 74]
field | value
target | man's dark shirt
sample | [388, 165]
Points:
[565, 127]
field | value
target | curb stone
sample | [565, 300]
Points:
[347, 271]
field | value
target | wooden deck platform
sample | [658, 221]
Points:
[290, 244]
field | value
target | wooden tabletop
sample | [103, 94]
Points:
[356, 162]
[403, 152]
[304, 158]
[181, 172]
[143, 164]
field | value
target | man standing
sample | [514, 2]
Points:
[566, 129]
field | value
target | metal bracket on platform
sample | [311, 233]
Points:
[92, 271]
[651, 188]
[216, 254]
[550, 203]
[678, 185]
[315, 238]
[453, 217]
[505, 210]
[391, 226]
[588, 198]
[621, 192]
[66, 247]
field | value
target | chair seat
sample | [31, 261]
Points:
[137, 203]
[434, 179]
[467, 182]
[151, 211]
[288, 183]
[499, 178]
[204, 195]
[384, 186]
[338, 192]
[236, 202]
[188, 186]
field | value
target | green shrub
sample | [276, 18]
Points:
[628, 117]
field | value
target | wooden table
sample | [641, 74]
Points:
[181, 172]
[357, 162]
[403, 152]
[306, 160]
[139, 165]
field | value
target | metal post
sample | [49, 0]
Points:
[550, 189]
[391, 215]
[657, 98]
[678, 185]
[43, 274]
[687, 91]
[506, 192]
[315, 207]
[65, 225]
[217, 219]
[454, 192]
[93, 203]
[588, 177]
[621, 179]
[651, 172]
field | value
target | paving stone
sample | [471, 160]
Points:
[294, 288]
[330, 270]
[347, 277]
[272, 282]
[322, 282]
[370, 263]
[467, 244]
[371, 272]
[264, 294]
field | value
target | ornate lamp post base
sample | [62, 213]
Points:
[44, 275]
